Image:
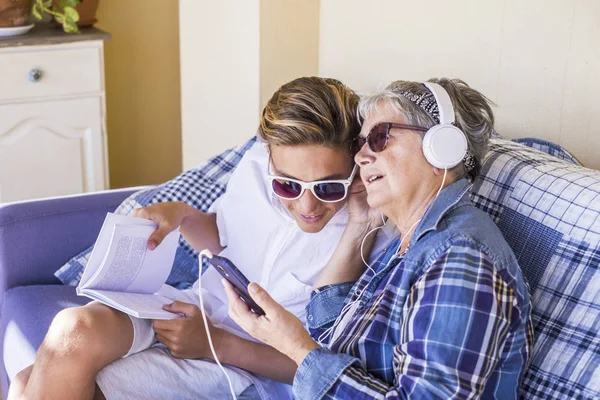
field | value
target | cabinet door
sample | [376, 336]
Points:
[51, 148]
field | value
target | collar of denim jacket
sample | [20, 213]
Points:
[450, 197]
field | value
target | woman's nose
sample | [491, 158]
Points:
[364, 156]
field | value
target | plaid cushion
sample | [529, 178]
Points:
[549, 212]
[549, 148]
[198, 187]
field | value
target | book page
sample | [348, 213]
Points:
[129, 266]
[147, 306]
[103, 242]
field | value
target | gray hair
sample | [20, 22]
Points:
[472, 112]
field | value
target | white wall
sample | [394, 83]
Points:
[220, 88]
[234, 55]
[539, 60]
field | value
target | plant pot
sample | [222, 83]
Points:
[14, 13]
[87, 12]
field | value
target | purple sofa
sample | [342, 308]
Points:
[35, 238]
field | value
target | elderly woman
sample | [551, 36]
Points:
[444, 312]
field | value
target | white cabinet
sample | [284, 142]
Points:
[52, 120]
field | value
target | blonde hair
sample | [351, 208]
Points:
[311, 110]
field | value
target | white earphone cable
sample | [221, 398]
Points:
[350, 304]
[443, 182]
[362, 244]
[206, 253]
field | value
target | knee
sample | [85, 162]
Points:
[73, 330]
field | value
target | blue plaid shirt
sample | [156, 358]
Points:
[449, 319]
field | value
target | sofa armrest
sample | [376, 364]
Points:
[38, 236]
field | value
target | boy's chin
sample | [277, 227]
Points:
[311, 228]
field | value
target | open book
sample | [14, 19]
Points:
[124, 274]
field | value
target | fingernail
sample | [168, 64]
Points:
[152, 245]
[253, 288]
[166, 306]
[223, 281]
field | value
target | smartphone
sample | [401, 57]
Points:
[240, 283]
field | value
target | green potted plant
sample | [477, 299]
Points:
[16, 14]
[85, 8]
[63, 12]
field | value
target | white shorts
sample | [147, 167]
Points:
[149, 371]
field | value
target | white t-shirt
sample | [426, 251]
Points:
[265, 243]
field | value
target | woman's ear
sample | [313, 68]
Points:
[438, 171]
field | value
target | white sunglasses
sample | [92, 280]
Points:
[327, 191]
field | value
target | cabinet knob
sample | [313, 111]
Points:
[35, 75]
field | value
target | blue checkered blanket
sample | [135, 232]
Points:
[548, 208]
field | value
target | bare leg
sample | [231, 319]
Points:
[17, 385]
[80, 342]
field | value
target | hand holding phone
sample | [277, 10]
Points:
[240, 283]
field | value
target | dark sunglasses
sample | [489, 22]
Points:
[329, 191]
[378, 136]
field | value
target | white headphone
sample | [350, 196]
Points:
[444, 145]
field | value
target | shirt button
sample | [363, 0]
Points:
[310, 317]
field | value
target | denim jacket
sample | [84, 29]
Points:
[449, 319]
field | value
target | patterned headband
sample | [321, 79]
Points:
[425, 101]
